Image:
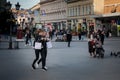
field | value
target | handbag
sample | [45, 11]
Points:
[49, 44]
[38, 45]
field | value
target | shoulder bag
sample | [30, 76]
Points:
[38, 45]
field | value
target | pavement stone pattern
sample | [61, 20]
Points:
[64, 63]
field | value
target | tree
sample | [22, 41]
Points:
[7, 20]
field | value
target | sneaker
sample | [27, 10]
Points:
[44, 68]
[33, 66]
[36, 65]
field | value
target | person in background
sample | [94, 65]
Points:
[28, 38]
[69, 38]
[82, 35]
[102, 37]
[91, 47]
[79, 35]
[50, 35]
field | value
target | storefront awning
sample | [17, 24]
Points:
[106, 15]
[111, 15]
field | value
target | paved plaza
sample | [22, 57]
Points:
[64, 63]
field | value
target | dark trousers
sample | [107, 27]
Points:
[69, 43]
[43, 57]
[43, 53]
[102, 41]
[37, 54]
[26, 41]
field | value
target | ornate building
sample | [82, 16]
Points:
[110, 18]
[87, 15]
[111, 6]
[24, 17]
[53, 13]
[36, 11]
[80, 14]
[93, 15]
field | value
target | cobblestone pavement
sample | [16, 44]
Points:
[64, 63]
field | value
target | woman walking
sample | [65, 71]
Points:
[43, 51]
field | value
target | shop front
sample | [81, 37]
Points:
[111, 23]
[59, 25]
[86, 24]
[82, 24]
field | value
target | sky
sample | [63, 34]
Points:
[26, 4]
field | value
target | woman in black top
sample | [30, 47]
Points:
[41, 38]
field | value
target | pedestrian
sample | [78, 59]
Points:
[102, 37]
[37, 51]
[79, 35]
[19, 33]
[28, 38]
[43, 51]
[91, 47]
[69, 38]
[82, 35]
[50, 35]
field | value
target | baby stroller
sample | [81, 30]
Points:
[99, 49]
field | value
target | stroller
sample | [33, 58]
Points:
[99, 49]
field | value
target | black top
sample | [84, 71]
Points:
[40, 38]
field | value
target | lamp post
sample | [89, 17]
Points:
[8, 8]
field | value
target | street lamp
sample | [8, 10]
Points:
[8, 8]
[17, 6]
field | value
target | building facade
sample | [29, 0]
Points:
[81, 13]
[36, 10]
[53, 13]
[110, 18]
[24, 17]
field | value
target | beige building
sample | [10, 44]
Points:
[36, 11]
[23, 17]
[111, 16]
[53, 13]
[81, 13]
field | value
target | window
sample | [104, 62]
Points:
[82, 10]
[70, 11]
[92, 9]
[73, 11]
[76, 11]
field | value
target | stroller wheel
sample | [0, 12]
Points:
[102, 55]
